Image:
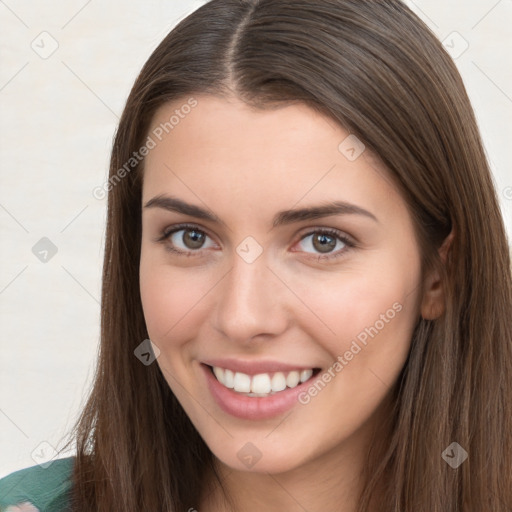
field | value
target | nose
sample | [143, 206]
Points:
[252, 302]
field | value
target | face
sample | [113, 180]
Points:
[279, 277]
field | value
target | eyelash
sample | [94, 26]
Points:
[166, 234]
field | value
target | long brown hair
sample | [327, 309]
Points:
[378, 71]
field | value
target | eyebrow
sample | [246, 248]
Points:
[284, 217]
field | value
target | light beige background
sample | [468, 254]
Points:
[59, 113]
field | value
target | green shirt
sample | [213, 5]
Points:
[47, 489]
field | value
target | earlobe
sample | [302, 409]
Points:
[433, 304]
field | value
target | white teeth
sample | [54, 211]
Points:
[293, 379]
[305, 375]
[242, 383]
[219, 373]
[229, 379]
[261, 384]
[278, 382]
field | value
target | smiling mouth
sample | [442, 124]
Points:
[262, 384]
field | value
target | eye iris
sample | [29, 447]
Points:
[323, 242]
[193, 239]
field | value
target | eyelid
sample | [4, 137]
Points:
[167, 232]
[342, 235]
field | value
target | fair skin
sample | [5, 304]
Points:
[288, 305]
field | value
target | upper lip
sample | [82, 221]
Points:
[255, 367]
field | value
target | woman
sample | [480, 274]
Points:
[302, 220]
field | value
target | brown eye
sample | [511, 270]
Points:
[323, 242]
[193, 239]
[187, 240]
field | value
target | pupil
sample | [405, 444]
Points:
[324, 243]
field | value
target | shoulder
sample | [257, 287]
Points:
[45, 488]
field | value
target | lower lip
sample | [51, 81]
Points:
[253, 408]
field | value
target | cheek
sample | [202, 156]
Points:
[172, 301]
[370, 302]
[174, 309]
[372, 314]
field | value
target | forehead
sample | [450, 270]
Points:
[230, 128]
[222, 148]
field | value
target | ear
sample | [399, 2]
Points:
[433, 303]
